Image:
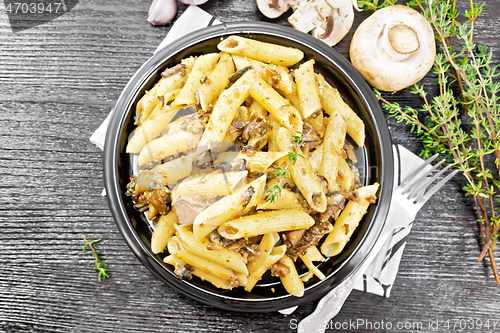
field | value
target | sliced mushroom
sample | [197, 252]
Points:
[337, 24]
[393, 48]
[310, 14]
[272, 8]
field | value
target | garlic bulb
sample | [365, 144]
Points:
[162, 11]
[193, 2]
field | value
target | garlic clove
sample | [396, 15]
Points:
[162, 12]
[193, 2]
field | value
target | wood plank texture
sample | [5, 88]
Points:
[58, 81]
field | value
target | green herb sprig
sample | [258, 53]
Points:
[297, 140]
[99, 265]
[461, 122]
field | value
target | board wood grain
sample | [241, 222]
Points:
[58, 81]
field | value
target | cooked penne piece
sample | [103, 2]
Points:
[349, 220]
[160, 109]
[272, 127]
[287, 200]
[335, 134]
[212, 184]
[275, 76]
[308, 259]
[266, 245]
[265, 222]
[273, 102]
[256, 110]
[168, 145]
[333, 166]
[221, 256]
[218, 282]
[332, 101]
[316, 157]
[308, 90]
[215, 82]
[316, 122]
[166, 173]
[292, 282]
[313, 254]
[229, 207]
[148, 131]
[261, 51]
[303, 175]
[276, 254]
[258, 161]
[203, 65]
[223, 114]
[176, 249]
[165, 228]
[150, 100]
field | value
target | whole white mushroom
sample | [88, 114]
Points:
[393, 48]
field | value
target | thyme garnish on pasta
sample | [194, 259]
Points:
[297, 140]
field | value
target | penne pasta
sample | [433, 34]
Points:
[349, 220]
[203, 64]
[332, 101]
[257, 161]
[308, 90]
[221, 256]
[266, 245]
[265, 222]
[292, 282]
[273, 102]
[303, 175]
[273, 127]
[276, 254]
[150, 100]
[308, 259]
[148, 131]
[223, 133]
[275, 76]
[167, 173]
[316, 158]
[212, 184]
[223, 113]
[163, 231]
[169, 144]
[176, 249]
[261, 51]
[333, 165]
[215, 82]
[287, 200]
[216, 281]
[229, 207]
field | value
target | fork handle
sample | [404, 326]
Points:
[330, 305]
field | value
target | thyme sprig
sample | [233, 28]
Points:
[297, 140]
[99, 265]
[462, 121]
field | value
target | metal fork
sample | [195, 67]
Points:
[407, 199]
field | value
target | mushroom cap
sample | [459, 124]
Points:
[272, 8]
[393, 48]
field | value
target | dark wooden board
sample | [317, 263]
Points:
[58, 81]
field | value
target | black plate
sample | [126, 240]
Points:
[375, 163]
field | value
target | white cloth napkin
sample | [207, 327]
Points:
[381, 274]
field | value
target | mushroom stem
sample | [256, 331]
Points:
[398, 42]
